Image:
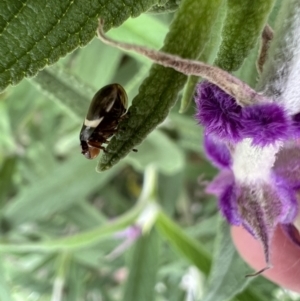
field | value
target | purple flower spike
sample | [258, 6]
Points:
[265, 123]
[256, 186]
[218, 112]
[217, 151]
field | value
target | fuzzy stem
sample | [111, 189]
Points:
[239, 90]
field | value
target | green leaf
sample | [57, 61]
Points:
[90, 62]
[143, 268]
[227, 276]
[6, 175]
[158, 93]
[185, 245]
[248, 71]
[208, 55]
[165, 154]
[188, 93]
[57, 191]
[7, 143]
[5, 289]
[76, 283]
[244, 22]
[65, 89]
[82, 239]
[36, 33]
[71, 90]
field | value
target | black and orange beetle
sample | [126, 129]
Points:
[106, 110]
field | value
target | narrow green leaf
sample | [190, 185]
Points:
[158, 93]
[243, 25]
[208, 55]
[188, 93]
[82, 239]
[65, 89]
[258, 290]
[275, 13]
[187, 246]
[6, 176]
[89, 62]
[143, 268]
[227, 277]
[58, 190]
[7, 143]
[37, 33]
[5, 289]
[76, 285]
[248, 71]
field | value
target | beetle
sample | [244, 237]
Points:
[108, 107]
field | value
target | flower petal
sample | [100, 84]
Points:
[217, 186]
[292, 233]
[265, 123]
[287, 196]
[218, 112]
[217, 151]
[223, 186]
[228, 205]
[287, 165]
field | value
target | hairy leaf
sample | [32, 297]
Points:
[227, 277]
[143, 269]
[244, 22]
[208, 55]
[41, 197]
[36, 33]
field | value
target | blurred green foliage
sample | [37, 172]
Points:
[65, 229]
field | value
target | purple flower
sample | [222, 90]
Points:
[221, 116]
[217, 151]
[265, 123]
[259, 162]
[287, 165]
[129, 236]
[218, 112]
[259, 205]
